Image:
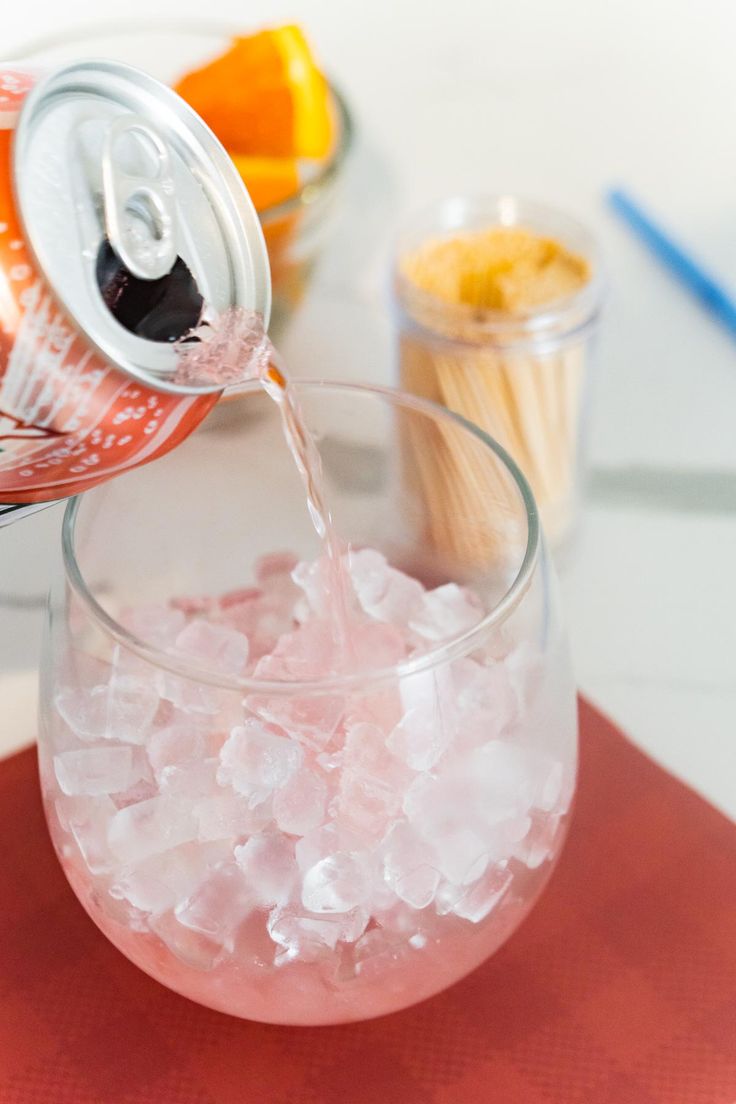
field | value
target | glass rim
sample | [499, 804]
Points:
[456, 648]
[556, 321]
[307, 193]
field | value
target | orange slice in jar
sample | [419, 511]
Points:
[269, 180]
[264, 96]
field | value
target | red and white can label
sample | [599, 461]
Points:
[68, 418]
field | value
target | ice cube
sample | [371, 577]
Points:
[132, 703]
[378, 952]
[429, 722]
[219, 905]
[369, 574]
[438, 806]
[309, 652]
[550, 784]
[299, 805]
[446, 612]
[98, 770]
[338, 883]
[476, 903]
[78, 669]
[567, 788]
[263, 616]
[312, 719]
[302, 936]
[420, 797]
[541, 841]
[139, 791]
[502, 838]
[383, 896]
[447, 812]
[404, 920]
[256, 761]
[351, 924]
[462, 856]
[421, 738]
[229, 816]
[267, 613]
[187, 694]
[88, 819]
[84, 711]
[477, 792]
[312, 578]
[217, 647]
[365, 753]
[329, 761]
[162, 881]
[268, 863]
[191, 947]
[447, 896]
[377, 704]
[194, 779]
[429, 688]
[365, 804]
[525, 667]
[150, 827]
[383, 592]
[305, 936]
[121, 709]
[122, 913]
[506, 778]
[323, 842]
[485, 699]
[177, 743]
[157, 626]
[409, 866]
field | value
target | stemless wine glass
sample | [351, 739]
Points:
[308, 849]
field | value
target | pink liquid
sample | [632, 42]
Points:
[315, 993]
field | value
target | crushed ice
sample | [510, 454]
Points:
[332, 819]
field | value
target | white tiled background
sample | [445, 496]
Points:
[557, 101]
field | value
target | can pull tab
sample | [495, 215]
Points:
[138, 190]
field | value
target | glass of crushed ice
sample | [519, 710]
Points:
[285, 812]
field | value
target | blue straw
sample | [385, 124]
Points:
[703, 286]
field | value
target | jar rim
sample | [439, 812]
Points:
[553, 322]
[442, 653]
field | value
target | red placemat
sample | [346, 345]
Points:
[619, 989]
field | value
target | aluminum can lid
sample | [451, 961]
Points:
[135, 215]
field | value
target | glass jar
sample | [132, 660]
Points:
[296, 848]
[523, 377]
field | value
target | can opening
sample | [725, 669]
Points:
[163, 309]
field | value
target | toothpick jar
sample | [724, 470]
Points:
[498, 303]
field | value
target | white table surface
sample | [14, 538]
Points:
[555, 101]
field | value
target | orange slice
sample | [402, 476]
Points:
[313, 124]
[269, 180]
[264, 96]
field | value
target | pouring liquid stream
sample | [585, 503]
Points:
[237, 349]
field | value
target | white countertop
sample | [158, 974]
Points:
[554, 101]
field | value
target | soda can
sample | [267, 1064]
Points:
[123, 225]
